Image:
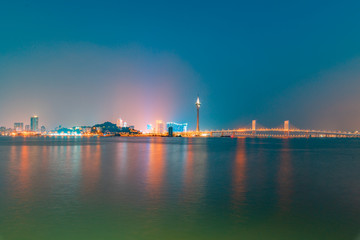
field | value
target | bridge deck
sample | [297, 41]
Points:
[273, 132]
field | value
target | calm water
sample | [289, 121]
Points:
[179, 188]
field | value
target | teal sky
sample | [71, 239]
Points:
[83, 62]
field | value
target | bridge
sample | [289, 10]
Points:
[285, 131]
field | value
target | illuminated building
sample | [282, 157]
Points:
[177, 127]
[66, 132]
[85, 129]
[198, 110]
[159, 126]
[149, 128]
[19, 126]
[120, 123]
[170, 131]
[27, 127]
[34, 123]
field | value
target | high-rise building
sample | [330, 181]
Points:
[159, 127]
[120, 123]
[19, 126]
[170, 131]
[149, 128]
[27, 127]
[197, 109]
[34, 123]
[177, 127]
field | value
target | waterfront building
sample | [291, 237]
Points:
[170, 131]
[159, 127]
[198, 110]
[34, 123]
[67, 132]
[85, 129]
[120, 123]
[18, 126]
[27, 127]
[149, 128]
[177, 127]
[43, 129]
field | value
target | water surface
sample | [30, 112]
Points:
[179, 188]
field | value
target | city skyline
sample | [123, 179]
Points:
[162, 127]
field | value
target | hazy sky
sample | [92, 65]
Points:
[85, 62]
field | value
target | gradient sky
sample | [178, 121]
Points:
[85, 62]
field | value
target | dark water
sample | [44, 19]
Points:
[179, 188]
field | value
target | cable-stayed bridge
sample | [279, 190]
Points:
[286, 130]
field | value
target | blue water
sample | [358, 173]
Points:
[179, 188]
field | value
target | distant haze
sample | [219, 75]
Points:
[85, 84]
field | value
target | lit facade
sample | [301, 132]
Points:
[149, 128]
[18, 126]
[120, 123]
[34, 123]
[159, 127]
[170, 131]
[177, 127]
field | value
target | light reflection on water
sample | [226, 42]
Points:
[179, 188]
[239, 175]
[284, 177]
[156, 171]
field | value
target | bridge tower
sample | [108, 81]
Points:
[198, 110]
[253, 127]
[286, 127]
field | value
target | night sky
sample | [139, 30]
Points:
[81, 63]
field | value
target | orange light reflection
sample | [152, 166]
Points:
[285, 177]
[156, 169]
[239, 174]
